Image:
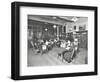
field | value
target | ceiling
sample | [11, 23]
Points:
[60, 20]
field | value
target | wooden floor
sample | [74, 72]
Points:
[50, 58]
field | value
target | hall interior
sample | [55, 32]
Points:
[56, 30]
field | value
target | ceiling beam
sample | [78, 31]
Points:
[58, 20]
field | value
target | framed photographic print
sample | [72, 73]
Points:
[53, 40]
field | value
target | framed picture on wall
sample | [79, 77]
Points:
[53, 40]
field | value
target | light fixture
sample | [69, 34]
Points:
[54, 26]
[46, 29]
[74, 19]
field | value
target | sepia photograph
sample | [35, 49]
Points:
[57, 40]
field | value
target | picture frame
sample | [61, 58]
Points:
[16, 49]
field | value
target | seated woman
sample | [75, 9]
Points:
[44, 48]
[69, 44]
[68, 53]
[63, 44]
